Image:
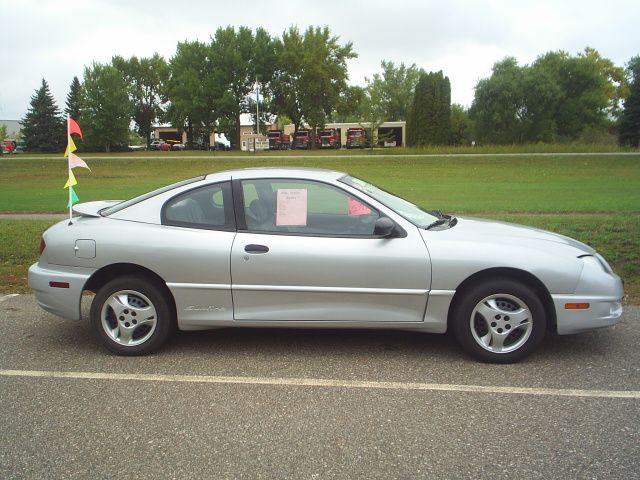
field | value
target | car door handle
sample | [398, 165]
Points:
[252, 248]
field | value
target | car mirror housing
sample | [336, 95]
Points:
[384, 227]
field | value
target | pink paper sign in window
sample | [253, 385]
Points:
[357, 208]
[291, 207]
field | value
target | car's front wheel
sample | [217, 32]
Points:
[499, 321]
[131, 316]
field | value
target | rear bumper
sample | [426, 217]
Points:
[64, 302]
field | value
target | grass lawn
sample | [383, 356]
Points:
[593, 198]
[598, 183]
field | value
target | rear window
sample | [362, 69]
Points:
[127, 203]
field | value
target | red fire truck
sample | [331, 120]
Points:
[303, 139]
[279, 140]
[329, 138]
[356, 138]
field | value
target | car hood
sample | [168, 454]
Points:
[502, 232]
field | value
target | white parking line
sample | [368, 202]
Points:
[6, 297]
[320, 382]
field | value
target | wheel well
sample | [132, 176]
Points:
[108, 273]
[521, 276]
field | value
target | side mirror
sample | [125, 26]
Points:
[384, 227]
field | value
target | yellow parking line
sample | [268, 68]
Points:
[321, 382]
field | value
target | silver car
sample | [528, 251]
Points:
[315, 248]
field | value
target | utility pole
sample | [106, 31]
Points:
[257, 107]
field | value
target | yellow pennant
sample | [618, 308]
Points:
[71, 146]
[72, 180]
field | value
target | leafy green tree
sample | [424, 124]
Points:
[3, 132]
[240, 58]
[106, 110]
[42, 127]
[191, 90]
[395, 87]
[287, 79]
[74, 99]
[350, 105]
[145, 78]
[429, 121]
[499, 106]
[558, 97]
[324, 74]
[311, 75]
[462, 127]
[629, 126]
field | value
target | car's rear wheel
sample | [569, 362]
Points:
[499, 321]
[131, 316]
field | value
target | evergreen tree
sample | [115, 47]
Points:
[42, 127]
[629, 127]
[74, 99]
[429, 121]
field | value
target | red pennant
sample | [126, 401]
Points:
[73, 127]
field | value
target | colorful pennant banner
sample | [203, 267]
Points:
[73, 162]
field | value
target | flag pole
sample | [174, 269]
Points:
[69, 168]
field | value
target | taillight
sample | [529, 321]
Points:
[42, 245]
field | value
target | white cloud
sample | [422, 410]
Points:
[56, 39]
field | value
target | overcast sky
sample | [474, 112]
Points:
[55, 40]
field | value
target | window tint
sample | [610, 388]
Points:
[207, 207]
[305, 207]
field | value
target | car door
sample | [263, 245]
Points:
[305, 251]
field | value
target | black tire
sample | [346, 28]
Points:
[145, 319]
[516, 329]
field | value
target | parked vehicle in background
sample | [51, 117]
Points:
[159, 144]
[219, 146]
[356, 138]
[178, 146]
[303, 139]
[9, 146]
[278, 140]
[21, 147]
[155, 144]
[329, 138]
[137, 148]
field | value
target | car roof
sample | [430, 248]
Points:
[281, 172]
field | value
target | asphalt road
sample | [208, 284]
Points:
[313, 404]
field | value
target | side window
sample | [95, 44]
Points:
[305, 207]
[207, 207]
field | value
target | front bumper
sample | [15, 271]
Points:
[602, 291]
[602, 312]
[64, 302]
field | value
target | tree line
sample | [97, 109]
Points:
[302, 77]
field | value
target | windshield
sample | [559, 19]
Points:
[408, 210]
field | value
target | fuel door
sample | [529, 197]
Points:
[85, 248]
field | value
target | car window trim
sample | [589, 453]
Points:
[105, 212]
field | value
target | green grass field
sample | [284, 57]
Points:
[594, 198]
